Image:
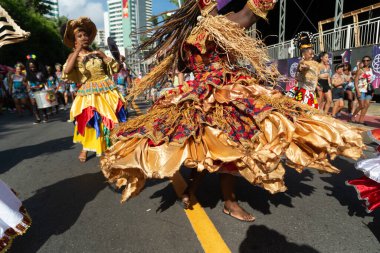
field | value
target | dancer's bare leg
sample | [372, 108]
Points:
[231, 206]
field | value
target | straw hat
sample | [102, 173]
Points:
[72, 25]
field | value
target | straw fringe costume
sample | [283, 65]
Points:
[98, 106]
[224, 120]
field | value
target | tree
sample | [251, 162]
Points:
[45, 41]
[39, 6]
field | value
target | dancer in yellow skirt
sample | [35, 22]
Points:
[226, 120]
[98, 106]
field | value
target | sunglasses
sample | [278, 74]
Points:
[366, 60]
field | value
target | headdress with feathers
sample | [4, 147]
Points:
[304, 40]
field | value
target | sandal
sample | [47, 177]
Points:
[82, 156]
[230, 213]
[185, 200]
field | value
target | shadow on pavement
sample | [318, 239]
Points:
[209, 193]
[11, 157]
[55, 208]
[261, 200]
[261, 239]
[347, 196]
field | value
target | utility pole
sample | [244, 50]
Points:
[338, 23]
[281, 32]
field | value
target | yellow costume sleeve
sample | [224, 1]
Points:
[112, 67]
[74, 76]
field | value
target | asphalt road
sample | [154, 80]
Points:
[74, 210]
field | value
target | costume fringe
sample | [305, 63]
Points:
[152, 78]
[231, 38]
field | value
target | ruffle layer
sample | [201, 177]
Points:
[7, 238]
[95, 115]
[106, 104]
[368, 190]
[370, 167]
[237, 127]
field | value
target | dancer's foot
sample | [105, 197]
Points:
[82, 156]
[186, 202]
[234, 210]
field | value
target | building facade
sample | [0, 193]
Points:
[137, 16]
[124, 22]
[115, 21]
[100, 39]
[54, 9]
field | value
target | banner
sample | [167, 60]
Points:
[282, 66]
[346, 56]
[292, 70]
[125, 9]
[376, 66]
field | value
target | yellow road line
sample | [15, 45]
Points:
[205, 230]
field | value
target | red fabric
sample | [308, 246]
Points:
[119, 106]
[374, 135]
[87, 114]
[83, 118]
[368, 190]
[108, 123]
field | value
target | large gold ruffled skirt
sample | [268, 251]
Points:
[239, 128]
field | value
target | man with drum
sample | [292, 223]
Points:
[37, 78]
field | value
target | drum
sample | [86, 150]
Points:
[45, 99]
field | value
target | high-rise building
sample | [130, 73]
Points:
[115, 21]
[137, 15]
[100, 38]
[106, 27]
[126, 20]
[54, 9]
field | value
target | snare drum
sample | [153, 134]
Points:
[45, 99]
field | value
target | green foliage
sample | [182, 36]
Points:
[38, 6]
[45, 41]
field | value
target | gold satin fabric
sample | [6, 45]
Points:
[94, 69]
[286, 131]
[305, 142]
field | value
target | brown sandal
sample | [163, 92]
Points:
[230, 213]
[82, 156]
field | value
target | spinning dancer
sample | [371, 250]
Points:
[226, 120]
[98, 106]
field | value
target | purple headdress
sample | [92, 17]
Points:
[222, 3]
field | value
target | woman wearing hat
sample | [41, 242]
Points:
[226, 120]
[98, 106]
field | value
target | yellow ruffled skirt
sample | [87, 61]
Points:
[96, 110]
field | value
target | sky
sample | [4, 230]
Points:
[316, 10]
[95, 9]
